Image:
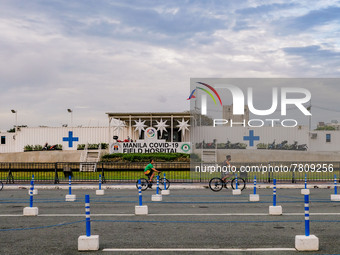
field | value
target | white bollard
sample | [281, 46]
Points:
[100, 192]
[140, 209]
[305, 191]
[306, 242]
[156, 198]
[254, 197]
[236, 192]
[335, 197]
[165, 192]
[70, 198]
[275, 209]
[31, 211]
[88, 242]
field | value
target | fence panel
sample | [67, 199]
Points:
[176, 172]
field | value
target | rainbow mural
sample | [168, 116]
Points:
[192, 94]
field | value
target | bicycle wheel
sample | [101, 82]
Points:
[226, 183]
[241, 183]
[1, 185]
[144, 183]
[216, 184]
[161, 183]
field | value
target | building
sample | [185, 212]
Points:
[170, 130]
[228, 115]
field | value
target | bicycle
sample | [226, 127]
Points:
[1, 185]
[216, 184]
[145, 182]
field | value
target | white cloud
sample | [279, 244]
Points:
[139, 56]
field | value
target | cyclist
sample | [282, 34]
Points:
[226, 165]
[149, 171]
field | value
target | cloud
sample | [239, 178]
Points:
[314, 18]
[139, 55]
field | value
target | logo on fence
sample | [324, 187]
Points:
[185, 147]
[116, 148]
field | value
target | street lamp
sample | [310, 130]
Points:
[70, 111]
[16, 120]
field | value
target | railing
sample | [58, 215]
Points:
[176, 172]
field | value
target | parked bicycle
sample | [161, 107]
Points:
[145, 183]
[216, 184]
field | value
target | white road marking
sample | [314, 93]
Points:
[196, 249]
[169, 214]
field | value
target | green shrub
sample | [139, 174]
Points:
[195, 157]
[104, 146]
[81, 147]
[37, 147]
[59, 147]
[137, 157]
[93, 146]
[28, 148]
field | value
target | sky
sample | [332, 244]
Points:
[98, 56]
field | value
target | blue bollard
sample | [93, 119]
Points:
[31, 194]
[236, 181]
[69, 185]
[140, 193]
[164, 182]
[255, 185]
[305, 181]
[87, 215]
[100, 182]
[33, 180]
[335, 186]
[157, 190]
[274, 192]
[307, 215]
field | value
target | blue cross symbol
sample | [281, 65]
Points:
[70, 139]
[251, 138]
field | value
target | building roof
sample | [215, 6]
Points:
[126, 115]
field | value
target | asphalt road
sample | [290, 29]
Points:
[185, 219]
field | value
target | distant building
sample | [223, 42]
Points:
[334, 124]
[228, 114]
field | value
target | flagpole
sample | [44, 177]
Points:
[310, 116]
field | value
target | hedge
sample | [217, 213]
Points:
[137, 157]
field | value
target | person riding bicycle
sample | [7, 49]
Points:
[226, 165]
[149, 171]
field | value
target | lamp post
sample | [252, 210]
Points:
[70, 111]
[16, 120]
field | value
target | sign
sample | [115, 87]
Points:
[70, 139]
[150, 147]
[150, 133]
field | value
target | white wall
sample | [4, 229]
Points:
[41, 135]
[236, 134]
[10, 143]
[319, 143]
